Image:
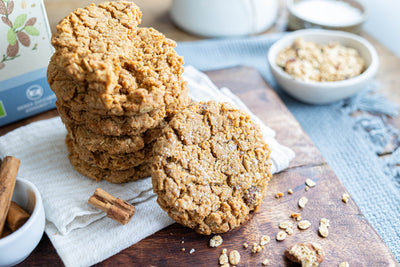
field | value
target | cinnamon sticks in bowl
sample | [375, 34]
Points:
[24, 228]
[8, 176]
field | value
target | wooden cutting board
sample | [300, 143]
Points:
[351, 238]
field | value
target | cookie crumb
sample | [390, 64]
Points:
[290, 191]
[302, 202]
[234, 257]
[281, 235]
[192, 251]
[344, 264]
[256, 248]
[308, 254]
[310, 183]
[279, 195]
[285, 224]
[304, 224]
[216, 241]
[245, 245]
[265, 262]
[264, 240]
[223, 258]
[323, 227]
[345, 197]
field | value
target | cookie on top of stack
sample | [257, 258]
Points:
[116, 84]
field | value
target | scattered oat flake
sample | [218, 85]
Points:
[183, 249]
[290, 191]
[285, 225]
[256, 248]
[344, 264]
[307, 188]
[310, 183]
[265, 262]
[303, 225]
[323, 227]
[234, 257]
[245, 245]
[225, 265]
[215, 241]
[281, 235]
[345, 197]
[264, 240]
[302, 202]
[192, 251]
[278, 195]
[289, 231]
[223, 258]
[183, 242]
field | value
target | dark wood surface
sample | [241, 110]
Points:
[351, 238]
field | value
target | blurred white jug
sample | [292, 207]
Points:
[223, 18]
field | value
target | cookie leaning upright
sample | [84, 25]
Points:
[211, 167]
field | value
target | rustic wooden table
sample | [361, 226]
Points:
[310, 164]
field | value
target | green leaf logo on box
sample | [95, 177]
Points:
[21, 28]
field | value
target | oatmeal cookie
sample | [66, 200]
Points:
[211, 167]
[94, 172]
[105, 62]
[112, 125]
[116, 162]
[105, 143]
[112, 144]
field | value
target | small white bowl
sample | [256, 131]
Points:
[17, 246]
[324, 92]
[297, 22]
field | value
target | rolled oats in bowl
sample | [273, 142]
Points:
[310, 61]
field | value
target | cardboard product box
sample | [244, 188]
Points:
[25, 51]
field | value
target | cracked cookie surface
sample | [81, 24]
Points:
[105, 62]
[211, 167]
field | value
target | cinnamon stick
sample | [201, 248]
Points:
[116, 209]
[16, 216]
[8, 176]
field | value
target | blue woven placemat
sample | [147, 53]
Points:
[349, 144]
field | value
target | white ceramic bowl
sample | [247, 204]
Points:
[15, 247]
[324, 92]
[224, 18]
[297, 22]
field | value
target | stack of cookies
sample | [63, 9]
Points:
[116, 85]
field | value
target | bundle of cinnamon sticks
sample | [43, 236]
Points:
[12, 216]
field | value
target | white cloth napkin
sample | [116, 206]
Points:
[81, 234]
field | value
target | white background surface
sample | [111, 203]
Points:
[384, 22]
